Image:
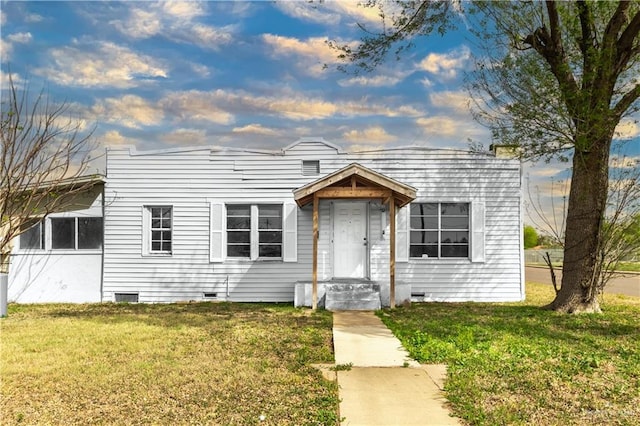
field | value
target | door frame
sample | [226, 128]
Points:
[366, 273]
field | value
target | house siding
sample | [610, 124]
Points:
[191, 180]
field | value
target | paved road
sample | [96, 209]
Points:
[622, 283]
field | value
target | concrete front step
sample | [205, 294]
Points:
[352, 296]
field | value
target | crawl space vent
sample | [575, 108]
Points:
[127, 297]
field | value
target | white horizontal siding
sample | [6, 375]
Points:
[190, 181]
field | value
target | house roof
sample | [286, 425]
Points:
[355, 181]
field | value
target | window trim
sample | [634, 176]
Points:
[146, 231]
[469, 229]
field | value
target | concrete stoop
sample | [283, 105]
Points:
[352, 297]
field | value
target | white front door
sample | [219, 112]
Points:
[350, 240]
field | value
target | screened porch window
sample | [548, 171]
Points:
[76, 233]
[439, 230]
[33, 238]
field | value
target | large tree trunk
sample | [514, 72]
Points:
[586, 208]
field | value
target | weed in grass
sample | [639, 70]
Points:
[342, 367]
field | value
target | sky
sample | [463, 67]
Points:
[243, 74]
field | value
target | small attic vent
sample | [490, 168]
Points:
[126, 297]
[310, 167]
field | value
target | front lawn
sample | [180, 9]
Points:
[225, 364]
[517, 364]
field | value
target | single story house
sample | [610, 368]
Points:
[309, 223]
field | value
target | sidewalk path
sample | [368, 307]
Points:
[384, 386]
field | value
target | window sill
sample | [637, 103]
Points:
[233, 260]
[157, 254]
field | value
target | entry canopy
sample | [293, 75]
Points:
[356, 181]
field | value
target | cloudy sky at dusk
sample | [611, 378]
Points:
[241, 74]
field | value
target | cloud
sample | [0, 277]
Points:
[450, 128]
[446, 66]
[221, 106]
[196, 105]
[624, 162]
[6, 49]
[313, 53]
[185, 137]
[201, 70]
[457, 101]
[23, 38]
[113, 138]
[33, 18]
[4, 79]
[101, 64]
[374, 81]
[255, 129]
[372, 135]
[331, 12]
[129, 111]
[176, 21]
[627, 129]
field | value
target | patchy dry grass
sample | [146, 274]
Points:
[517, 364]
[202, 363]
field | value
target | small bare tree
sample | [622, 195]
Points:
[620, 233]
[45, 158]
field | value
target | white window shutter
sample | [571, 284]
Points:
[216, 234]
[402, 234]
[477, 232]
[290, 230]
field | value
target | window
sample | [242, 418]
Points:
[89, 233]
[73, 233]
[439, 230]
[254, 231]
[33, 238]
[270, 231]
[160, 229]
[239, 231]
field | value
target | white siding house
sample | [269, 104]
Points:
[229, 224]
[238, 224]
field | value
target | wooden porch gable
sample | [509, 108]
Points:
[355, 181]
[352, 182]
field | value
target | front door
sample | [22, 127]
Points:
[350, 240]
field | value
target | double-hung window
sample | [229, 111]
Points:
[76, 233]
[254, 231]
[160, 229]
[439, 230]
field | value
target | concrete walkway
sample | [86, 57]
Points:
[384, 386]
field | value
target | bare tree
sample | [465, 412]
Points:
[620, 233]
[45, 158]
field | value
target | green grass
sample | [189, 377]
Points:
[204, 363]
[629, 266]
[517, 364]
